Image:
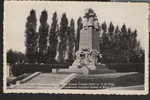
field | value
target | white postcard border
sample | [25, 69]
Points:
[93, 92]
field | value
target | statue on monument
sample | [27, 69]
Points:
[90, 19]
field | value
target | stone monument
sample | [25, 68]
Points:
[86, 61]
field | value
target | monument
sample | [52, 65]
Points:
[86, 61]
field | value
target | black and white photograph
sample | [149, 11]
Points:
[76, 47]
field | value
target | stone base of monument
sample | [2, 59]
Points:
[100, 69]
[54, 70]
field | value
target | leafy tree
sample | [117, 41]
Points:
[53, 38]
[11, 57]
[79, 27]
[43, 37]
[14, 57]
[31, 37]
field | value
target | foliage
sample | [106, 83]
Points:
[31, 37]
[79, 27]
[14, 57]
[61, 47]
[70, 41]
[120, 45]
[53, 38]
[43, 37]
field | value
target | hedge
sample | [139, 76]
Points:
[19, 69]
[30, 68]
[127, 67]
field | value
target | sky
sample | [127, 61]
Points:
[133, 15]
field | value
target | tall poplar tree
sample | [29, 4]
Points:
[124, 46]
[111, 35]
[70, 41]
[79, 27]
[104, 36]
[111, 29]
[117, 40]
[31, 37]
[43, 37]
[53, 38]
[63, 37]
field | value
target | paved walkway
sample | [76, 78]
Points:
[45, 81]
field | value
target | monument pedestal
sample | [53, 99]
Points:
[87, 71]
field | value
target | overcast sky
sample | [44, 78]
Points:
[133, 15]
